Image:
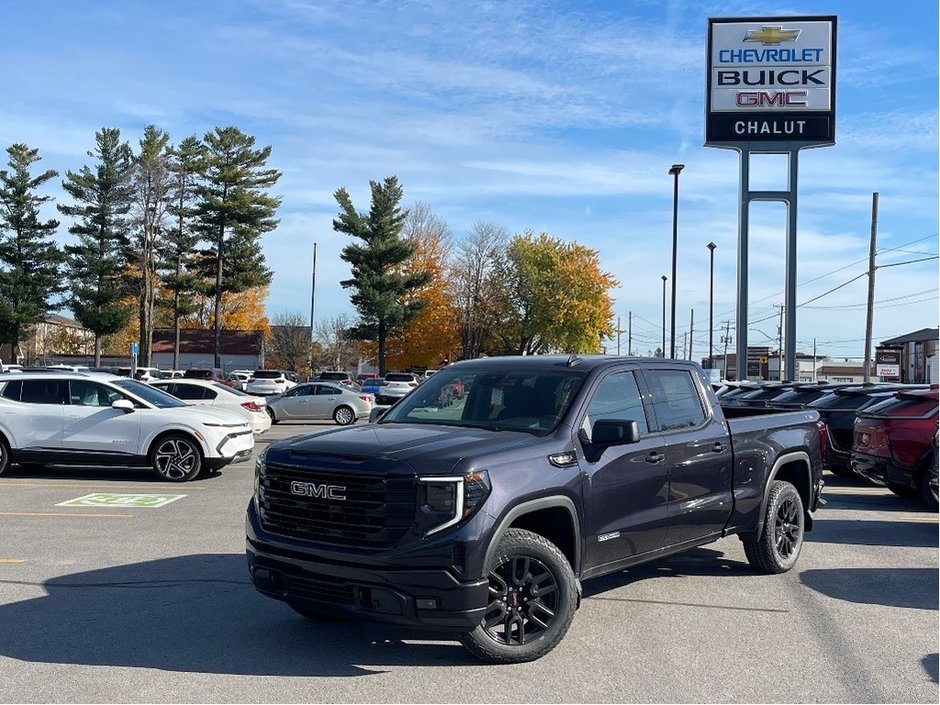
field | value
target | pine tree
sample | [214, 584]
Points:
[178, 247]
[234, 210]
[97, 264]
[151, 182]
[380, 287]
[30, 263]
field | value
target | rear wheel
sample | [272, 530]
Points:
[344, 416]
[778, 546]
[271, 414]
[176, 458]
[4, 455]
[532, 598]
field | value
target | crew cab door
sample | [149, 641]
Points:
[698, 454]
[626, 486]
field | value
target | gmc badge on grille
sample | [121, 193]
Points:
[312, 489]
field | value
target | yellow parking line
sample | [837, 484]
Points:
[12, 560]
[65, 514]
[141, 487]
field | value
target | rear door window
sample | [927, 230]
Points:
[676, 401]
[11, 390]
[43, 391]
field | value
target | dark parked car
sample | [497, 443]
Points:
[344, 378]
[837, 411]
[894, 444]
[211, 374]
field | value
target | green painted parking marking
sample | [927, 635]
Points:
[108, 499]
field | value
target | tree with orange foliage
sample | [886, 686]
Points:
[241, 311]
[434, 334]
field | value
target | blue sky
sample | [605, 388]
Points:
[549, 116]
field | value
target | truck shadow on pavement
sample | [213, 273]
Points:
[201, 614]
[913, 588]
[896, 532]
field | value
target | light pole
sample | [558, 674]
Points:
[674, 172]
[711, 299]
[663, 348]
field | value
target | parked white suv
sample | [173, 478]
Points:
[268, 382]
[395, 386]
[102, 419]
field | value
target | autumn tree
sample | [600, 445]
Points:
[30, 262]
[337, 345]
[474, 286]
[380, 286]
[97, 263]
[242, 311]
[151, 184]
[288, 343]
[234, 210]
[554, 297]
[180, 281]
[433, 334]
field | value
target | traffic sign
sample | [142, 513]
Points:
[135, 348]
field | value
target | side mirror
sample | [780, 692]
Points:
[614, 432]
[377, 413]
[125, 405]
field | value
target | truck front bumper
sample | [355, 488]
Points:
[423, 598]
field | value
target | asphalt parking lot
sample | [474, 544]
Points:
[153, 604]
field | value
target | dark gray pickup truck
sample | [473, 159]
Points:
[481, 513]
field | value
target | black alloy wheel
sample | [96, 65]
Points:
[928, 483]
[777, 547]
[533, 595]
[788, 529]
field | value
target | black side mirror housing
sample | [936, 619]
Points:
[614, 432]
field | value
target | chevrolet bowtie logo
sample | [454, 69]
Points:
[772, 35]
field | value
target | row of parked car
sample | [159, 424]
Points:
[883, 433]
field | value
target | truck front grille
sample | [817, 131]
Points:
[376, 512]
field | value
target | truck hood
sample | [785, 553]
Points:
[426, 448]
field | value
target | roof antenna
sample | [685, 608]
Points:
[573, 360]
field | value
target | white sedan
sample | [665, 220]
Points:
[318, 401]
[73, 418]
[205, 393]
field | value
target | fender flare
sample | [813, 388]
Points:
[798, 455]
[147, 443]
[535, 505]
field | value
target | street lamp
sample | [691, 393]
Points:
[663, 348]
[674, 172]
[711, 299]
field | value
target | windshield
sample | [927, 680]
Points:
[533, 401]
[267, 374]
[157, 397]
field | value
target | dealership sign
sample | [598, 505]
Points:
[888, 362]
[771, 80]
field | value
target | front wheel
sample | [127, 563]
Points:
[4, 455]
[532, 598]
[176, 458]
[778, 546]
[928, 484]
[343, 416]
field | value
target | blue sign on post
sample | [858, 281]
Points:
[135, 347]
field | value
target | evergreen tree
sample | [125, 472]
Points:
[234, 210]
[96, 265]
[30, 263]
[178, 246]
[151, 182]
[381, 289]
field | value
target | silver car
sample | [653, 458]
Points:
[320, 400]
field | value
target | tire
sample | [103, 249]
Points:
[781, 538]
[533, 597]
[343, 416]
[4, 455]
[928, 484]
[313, 614]
[902, 490]
[176, 458]
[274, 419]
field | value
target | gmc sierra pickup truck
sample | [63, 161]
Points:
[482, 517]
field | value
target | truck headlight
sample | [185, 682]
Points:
[446, 501]
[259, 477]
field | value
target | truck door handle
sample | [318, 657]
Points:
[719, 447]
[655, 457]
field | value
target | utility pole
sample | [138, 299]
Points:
[618, 335]
[814, 360]
[313, 300]
[691, 331]
[629, 332]
[780, 344]
[871, 284]
[726, 339]
[685, 342]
